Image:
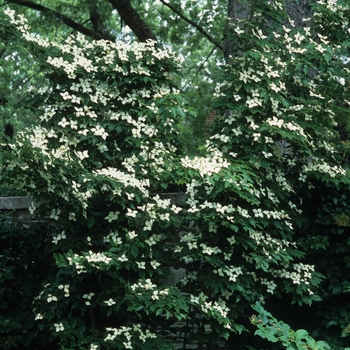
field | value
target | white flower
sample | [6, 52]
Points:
[65, 95]
[123, 258]
[75, 99]
[155, 264]
[97, 257]
[165, 216]
[231, 240]
[100, 131]
[88, 297]
[275, 122]
[164, 291]
[131, 213]
[51, 298]
[299, 50]
[320, 48]
[110, 302]
[83, 155]
[192, 245]
[112, 216]
[32, 208]
[238, 30]
[244, 76]
[64, 122]
[299, 38]
[59, 327]
[65, 289]
[127, 345]
[141, 264]
[60, 236]
[132, 235]
[155, 295]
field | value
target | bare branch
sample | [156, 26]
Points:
[198, 27]
[64, 19]
[199, 69]
[132, 19]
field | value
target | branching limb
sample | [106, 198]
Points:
[96, 21]
[198, 27]
[132, 19]
[199, 69]
[64, 19]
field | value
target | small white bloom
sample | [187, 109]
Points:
[141, 265]
[59, 327]
[110, 302]
[123, 258]
[88, 297]
[155, 264]
[112, 216]
[65, 289]
[132, 235]
[51, 297]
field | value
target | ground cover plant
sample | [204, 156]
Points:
[245, 240]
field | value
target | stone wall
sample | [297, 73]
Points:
[17, 208]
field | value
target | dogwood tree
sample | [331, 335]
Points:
[245, 236]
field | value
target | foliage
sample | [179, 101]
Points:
[200, 71]
[202, 59]
[25, 259]
[284, 95]
[96, 160]
[17, 72]
[106, 151]
[277, 331]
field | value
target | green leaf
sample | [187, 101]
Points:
[134, 250]
[300, 334]
[90, 221]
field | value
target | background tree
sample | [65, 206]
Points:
[196, 30]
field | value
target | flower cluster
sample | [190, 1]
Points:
[206, 166]
[129, 333]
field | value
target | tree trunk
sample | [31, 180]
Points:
[132, 19]
[236, 10]
[297, 10]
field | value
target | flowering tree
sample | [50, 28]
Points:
[280, 106]
[105, 151]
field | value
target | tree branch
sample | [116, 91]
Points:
[64, 19]
[132, 19]
[199, 69]
[2, 51]
[198, 27]
[96, 20]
